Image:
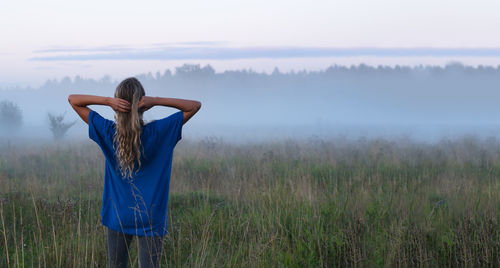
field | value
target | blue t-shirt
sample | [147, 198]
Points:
[138, 205]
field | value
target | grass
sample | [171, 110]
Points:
[312, 203]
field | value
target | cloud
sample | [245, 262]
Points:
[122, 48]
[74, 49]
[213, 50]
[45, 68]
[195, 43]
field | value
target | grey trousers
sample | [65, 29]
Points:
[118, 249]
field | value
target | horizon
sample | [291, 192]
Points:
[267, 68]
[231, 35]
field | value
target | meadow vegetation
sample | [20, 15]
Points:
[290, 203]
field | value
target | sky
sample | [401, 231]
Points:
[50, 39]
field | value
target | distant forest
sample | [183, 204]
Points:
[358, 94]
[195, 75]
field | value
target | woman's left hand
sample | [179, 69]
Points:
[119, 105]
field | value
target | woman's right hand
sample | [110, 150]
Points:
[146, 102]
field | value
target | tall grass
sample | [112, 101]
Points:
[315, 203]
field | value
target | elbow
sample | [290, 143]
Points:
[196, 106]
[73, 100]
[70, 99]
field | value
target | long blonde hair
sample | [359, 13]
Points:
[127, 137]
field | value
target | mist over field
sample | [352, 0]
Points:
[420, 102]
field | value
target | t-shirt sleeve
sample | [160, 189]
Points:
[170, 128]
[99, 127]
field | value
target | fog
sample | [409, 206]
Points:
[423, 102]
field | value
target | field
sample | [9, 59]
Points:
[288, 203]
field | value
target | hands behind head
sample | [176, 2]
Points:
[145, 103]
[119, 105]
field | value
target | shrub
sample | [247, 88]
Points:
[11, 117]
[58, 127]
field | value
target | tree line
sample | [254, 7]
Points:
[195, 73]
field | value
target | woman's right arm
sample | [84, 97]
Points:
[79, 102]
[188, 107]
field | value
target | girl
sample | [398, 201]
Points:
[137, 169]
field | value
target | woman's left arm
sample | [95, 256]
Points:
[79, 103]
